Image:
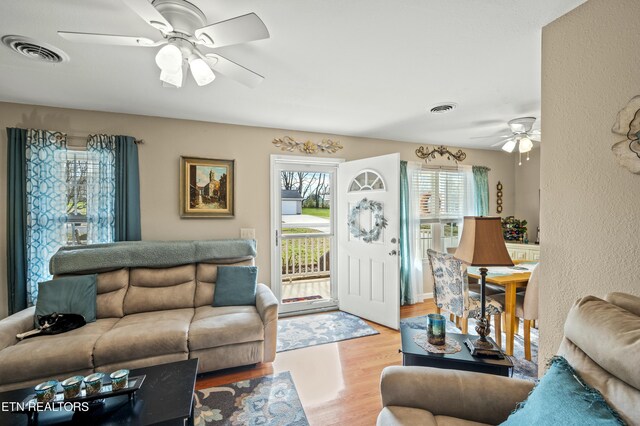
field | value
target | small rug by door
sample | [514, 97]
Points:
[268, 400]
[522, 368]
[301, 299]
[318, 329]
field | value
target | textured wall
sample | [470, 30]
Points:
[590, 205]
[167, 139]
[527, 186]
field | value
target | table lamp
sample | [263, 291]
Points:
[482, 244]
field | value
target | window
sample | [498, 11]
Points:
[78, 167]
[367, 180]
[442, 197]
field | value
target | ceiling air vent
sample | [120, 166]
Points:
[442, 108]
[34, 50]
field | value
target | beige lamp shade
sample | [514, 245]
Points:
[482, 243]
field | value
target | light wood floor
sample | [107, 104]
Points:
[338, 383]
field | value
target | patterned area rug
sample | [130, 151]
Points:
[318, 329]
[523, 369]
[268, 400]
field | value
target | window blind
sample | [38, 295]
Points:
[441, 194]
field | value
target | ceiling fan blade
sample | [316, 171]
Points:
[535, 139]
[490, 137]
[535, 132]
[240, 29]
[232, 70]
[150, 14]
[117, 40]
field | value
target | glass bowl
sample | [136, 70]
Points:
[71, 386]
[46, 391]
[93, 383]
[119, 379]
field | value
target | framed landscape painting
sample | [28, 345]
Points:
[206, 188]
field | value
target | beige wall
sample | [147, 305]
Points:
[590, 205]
[167, 139]
[527, 185]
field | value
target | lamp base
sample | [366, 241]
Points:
[483, 348]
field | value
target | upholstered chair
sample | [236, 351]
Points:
[451, 293]
[474, 285]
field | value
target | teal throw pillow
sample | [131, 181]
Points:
[68, 295]
[562, 398]
[236, 286]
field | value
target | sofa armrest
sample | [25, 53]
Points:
[267, 306]
[467, 395]
[17, 323]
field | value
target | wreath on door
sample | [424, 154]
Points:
[367, 235]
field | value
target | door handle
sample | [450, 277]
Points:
[393, 253]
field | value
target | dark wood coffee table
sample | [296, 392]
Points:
[165, 398]
[412, 354]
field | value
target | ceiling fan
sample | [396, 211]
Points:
[521, 136]
[184, 28]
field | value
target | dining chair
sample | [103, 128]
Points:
[526, 308]
[451, 293]
[474, 285]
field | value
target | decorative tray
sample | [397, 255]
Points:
[30, 404]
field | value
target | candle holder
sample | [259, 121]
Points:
[436, 329]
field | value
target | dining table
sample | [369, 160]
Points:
[512, 279]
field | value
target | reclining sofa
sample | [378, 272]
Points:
[601, 342]
[154, 305]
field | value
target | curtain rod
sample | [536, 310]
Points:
[85, 137]
[426, 167]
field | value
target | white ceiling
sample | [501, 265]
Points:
[368, 68]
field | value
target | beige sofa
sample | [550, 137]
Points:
[145, 317]
[601, 342]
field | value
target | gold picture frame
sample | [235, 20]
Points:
[206, 188]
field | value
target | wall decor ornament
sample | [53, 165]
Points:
[499, 198]
[428, 155]
[627, 123]
[206, 188]
[367, 235]
[289, 144]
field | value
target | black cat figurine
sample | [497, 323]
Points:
[54, 324]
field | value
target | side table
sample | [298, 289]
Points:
[412, 354]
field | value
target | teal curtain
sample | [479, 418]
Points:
[127, 195]
[16, 219]
[101, 189]
[46, 204]
[406, 292]
[481, 186]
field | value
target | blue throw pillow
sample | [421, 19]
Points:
[562, 398]
[68, 295]
[236, 286]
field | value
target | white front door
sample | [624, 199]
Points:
[368, 261]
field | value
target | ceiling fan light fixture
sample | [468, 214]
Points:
[509, 146]
[201, 72]
[169, 58]
[525, 145]
[173, 78]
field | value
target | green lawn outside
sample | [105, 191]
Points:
[286, 231]
[324, 213]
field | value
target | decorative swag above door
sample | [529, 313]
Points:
[55, 193]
